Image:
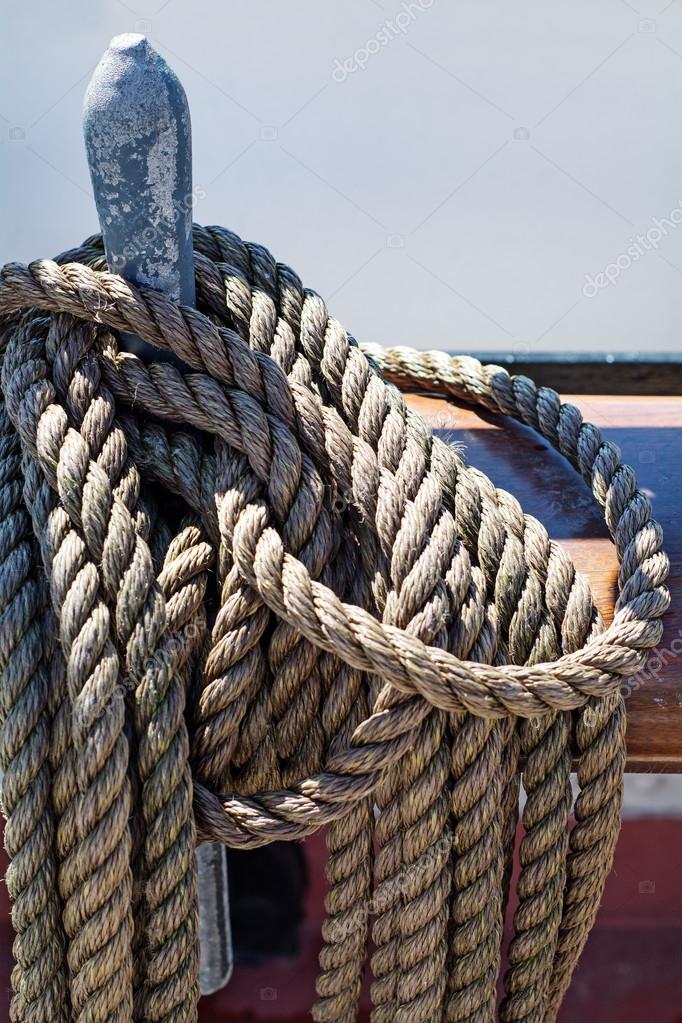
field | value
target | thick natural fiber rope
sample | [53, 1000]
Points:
[257, 596]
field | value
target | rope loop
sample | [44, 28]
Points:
[248, 594]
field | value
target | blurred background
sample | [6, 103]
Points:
[448, 175]
[468, 176]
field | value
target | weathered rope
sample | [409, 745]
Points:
[257, 596]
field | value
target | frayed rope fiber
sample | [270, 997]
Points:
[255, 596]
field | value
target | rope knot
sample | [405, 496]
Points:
[255, 595]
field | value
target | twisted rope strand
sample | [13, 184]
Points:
[95, 876]
[154, 659]
[39, 976]
[329, 612]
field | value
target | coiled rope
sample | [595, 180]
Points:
[257, 596]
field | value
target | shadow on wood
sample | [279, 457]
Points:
[648, 430]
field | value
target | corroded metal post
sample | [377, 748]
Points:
[138, 140]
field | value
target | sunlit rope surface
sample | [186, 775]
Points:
[255, 596]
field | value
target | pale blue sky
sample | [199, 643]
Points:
[446, 174]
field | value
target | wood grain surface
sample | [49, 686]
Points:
[649, 433]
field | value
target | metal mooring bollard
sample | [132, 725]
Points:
[138, 139]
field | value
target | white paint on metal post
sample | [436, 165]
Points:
[138, 139]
